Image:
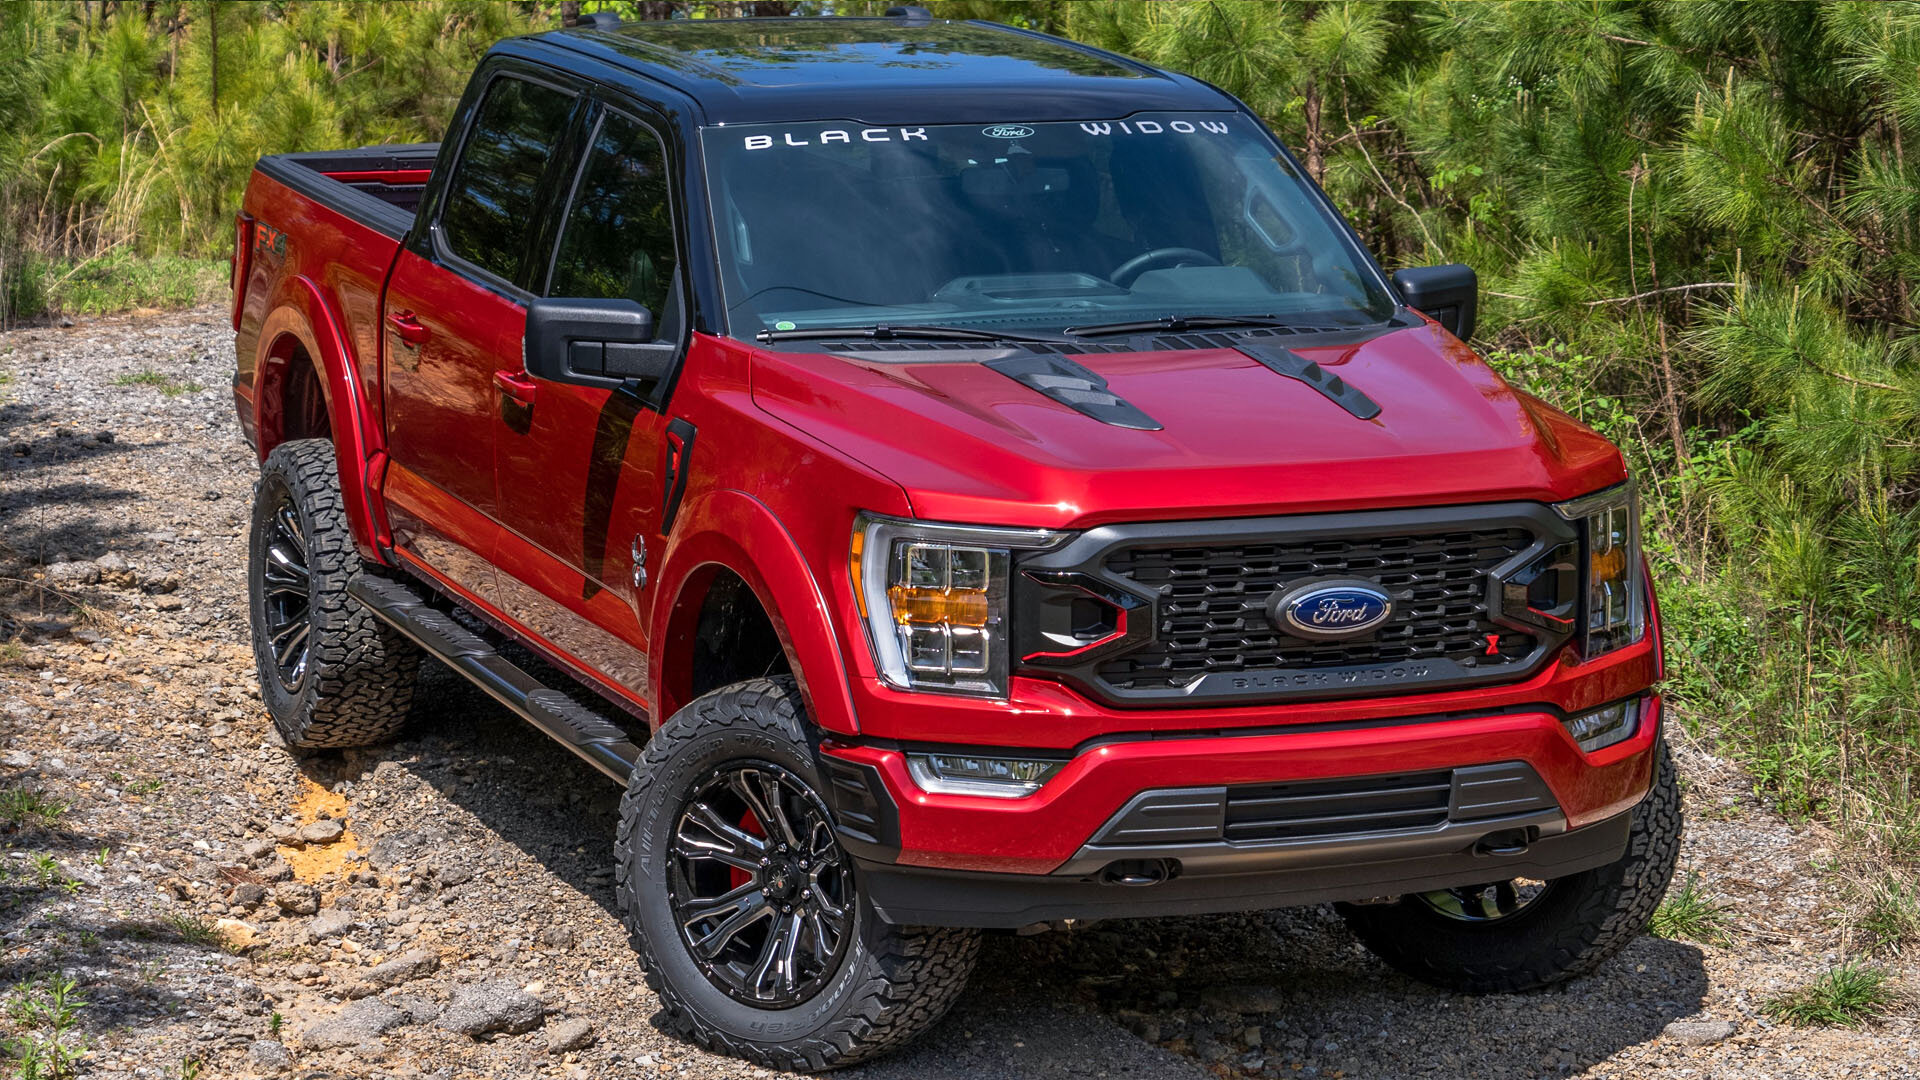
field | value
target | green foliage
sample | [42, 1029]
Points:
[1850, 995]
[24, 806]
[160, 381]
[46, 1011]
[1690, 914]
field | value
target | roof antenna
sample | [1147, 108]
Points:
[911, 14]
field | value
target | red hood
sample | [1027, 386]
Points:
[969, 444]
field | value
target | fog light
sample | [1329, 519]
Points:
[971, 774]
[1605, 726]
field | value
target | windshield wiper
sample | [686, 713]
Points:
[886, 332]
[1175, 324]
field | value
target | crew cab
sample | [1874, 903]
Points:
[956, 479]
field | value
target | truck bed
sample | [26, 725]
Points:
[378, 186]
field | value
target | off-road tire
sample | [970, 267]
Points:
[1578, 925]
[360, 672]
[893, 981]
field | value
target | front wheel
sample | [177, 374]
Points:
[747, 915]
[1508, 936]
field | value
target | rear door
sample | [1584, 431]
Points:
[580, 467]
[454, 316]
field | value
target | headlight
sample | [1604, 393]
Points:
[1613, 614]
[1603, 727]
[934, 598]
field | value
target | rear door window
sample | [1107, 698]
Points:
[618, 239]
[492, 201]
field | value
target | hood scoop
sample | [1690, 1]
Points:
[1284, 361]
[1079, 389]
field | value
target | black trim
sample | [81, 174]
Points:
[303, 173]
[1060, 379]
[920, 897]
[1286, 362]
[679, 451]
[1086, 556]
[864, 816]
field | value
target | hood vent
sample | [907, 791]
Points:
[1284, 361]
[1075, 387]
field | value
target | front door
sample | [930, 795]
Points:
[454, 318]
[580, 467]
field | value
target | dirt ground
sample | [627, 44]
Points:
[218, 924]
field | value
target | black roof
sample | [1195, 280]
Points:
[884, 70]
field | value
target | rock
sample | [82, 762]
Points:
[256, 850]
[115, 569]
[322, 832]
[1699, 1032]
[268, 1054]
[557, 937]
[234, 934]
[477, 1010]
[1243, 998]
[454, 875]
[419, 1010]
[330, 923]
[406, 967]
[569, 1035]
[69, 574]
[277, 871]
[360, 1022]
[295, 898]
[248, 893]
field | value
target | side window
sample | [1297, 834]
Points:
[490, 201]
[618, 237]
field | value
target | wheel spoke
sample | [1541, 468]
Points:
[1505, 898]
[289, 641]
[776, 958]
[746, 911]
[289, 524]
[701, 908]
[770, 788]
[732, 845]
[284, 568]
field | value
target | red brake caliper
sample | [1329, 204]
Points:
[751, 826]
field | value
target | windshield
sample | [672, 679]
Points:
[1025, 227]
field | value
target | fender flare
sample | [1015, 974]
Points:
[717, 530]
[303, 313]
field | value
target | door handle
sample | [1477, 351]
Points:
[517, 385]
[409, 328]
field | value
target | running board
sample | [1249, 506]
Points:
[573, 725]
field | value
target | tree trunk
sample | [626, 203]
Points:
[1316, 135]
[570, 13]
[654, 10]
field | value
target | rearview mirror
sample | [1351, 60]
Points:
[1449, 294]
[595, 343]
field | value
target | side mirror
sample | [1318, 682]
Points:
[595, 343]
[1450, 294]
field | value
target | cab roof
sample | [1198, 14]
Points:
[889, 70]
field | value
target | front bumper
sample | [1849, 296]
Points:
[965, 860]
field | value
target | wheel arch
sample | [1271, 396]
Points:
[708, 568]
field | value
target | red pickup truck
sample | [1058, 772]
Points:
[955, 479]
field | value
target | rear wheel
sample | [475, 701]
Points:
[331, 674]
[1522, 933]
[746, 913]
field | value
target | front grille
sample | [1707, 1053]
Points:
[1211, 609]
[1367, 804]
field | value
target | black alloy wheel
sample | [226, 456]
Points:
[1487, 903]
[762, 894]
[287, 589]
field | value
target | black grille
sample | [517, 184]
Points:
[1212, 605]
[1366, 804]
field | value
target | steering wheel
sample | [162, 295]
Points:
[1124, 274]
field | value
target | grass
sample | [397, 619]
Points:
[191, 930]
[47, 1011]
[1850, 995]
[24, 806]
[1689, 914]
[159, 381]
[1892, 913]
[148, 786]
[125, 282]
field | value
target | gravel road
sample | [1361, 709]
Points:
[443, 906]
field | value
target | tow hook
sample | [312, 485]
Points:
[1500, 844]
[1138, 872]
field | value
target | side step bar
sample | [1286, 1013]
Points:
[575, 726]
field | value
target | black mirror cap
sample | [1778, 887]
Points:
[591, 342]
[1449, 294]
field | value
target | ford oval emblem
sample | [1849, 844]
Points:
[1007, 131]
[1330, 610]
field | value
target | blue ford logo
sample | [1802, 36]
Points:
[1007, 131]
[1330, 610]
